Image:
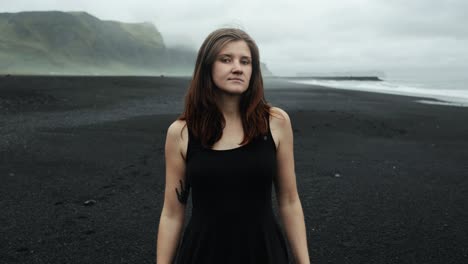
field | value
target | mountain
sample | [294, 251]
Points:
[55, 42]
[79, 43]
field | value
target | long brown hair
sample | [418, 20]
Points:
[203, 117]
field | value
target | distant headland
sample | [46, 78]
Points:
[338, 78]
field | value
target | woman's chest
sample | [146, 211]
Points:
[254, 163]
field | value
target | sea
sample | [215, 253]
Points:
[451, 90]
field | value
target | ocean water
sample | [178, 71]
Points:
[451, 90]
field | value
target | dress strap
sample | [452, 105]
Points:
[189, 144]
[269, 136]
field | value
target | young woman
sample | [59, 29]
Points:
[229, 146]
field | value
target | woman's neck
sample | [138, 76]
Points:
[229, 106]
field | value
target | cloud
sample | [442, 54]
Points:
[301, 36]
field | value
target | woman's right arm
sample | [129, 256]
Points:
[173, 212]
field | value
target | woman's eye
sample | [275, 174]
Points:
[226, 60]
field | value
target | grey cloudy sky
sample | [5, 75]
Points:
[393, 36]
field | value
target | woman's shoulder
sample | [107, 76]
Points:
[280, 125]
[177, 128]
[178, 134]
[279, 116]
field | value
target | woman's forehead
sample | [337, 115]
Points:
[235, 48]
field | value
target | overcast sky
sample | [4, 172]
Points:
[393, 36]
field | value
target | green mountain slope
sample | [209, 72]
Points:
[55, 42]
[76, 42]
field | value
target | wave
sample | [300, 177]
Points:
[454, 97]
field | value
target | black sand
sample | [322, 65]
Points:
[382, 179]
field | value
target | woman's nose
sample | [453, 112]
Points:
[237, 66]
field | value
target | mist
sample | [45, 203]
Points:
[397, 37]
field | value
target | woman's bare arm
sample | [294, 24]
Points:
[175, 196]
[289, 204]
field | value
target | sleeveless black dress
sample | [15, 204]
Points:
[232, 217]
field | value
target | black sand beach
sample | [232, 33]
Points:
[382, 179]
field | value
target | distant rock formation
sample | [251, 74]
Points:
[76, 42]
[339, 78]
[265, 71]
[55, 42]
[344, 75]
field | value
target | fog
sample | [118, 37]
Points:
[395, 37]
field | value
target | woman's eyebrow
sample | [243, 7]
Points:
[230, 55]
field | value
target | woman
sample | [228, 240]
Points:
[228, 147]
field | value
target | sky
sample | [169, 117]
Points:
[308, 36]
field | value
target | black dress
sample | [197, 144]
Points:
[232, 216]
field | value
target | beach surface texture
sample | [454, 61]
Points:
[382, 178]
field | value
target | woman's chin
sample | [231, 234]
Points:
[233, 91]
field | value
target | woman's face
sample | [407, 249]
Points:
[232, 68]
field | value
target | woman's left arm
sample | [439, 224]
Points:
[289, 204]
